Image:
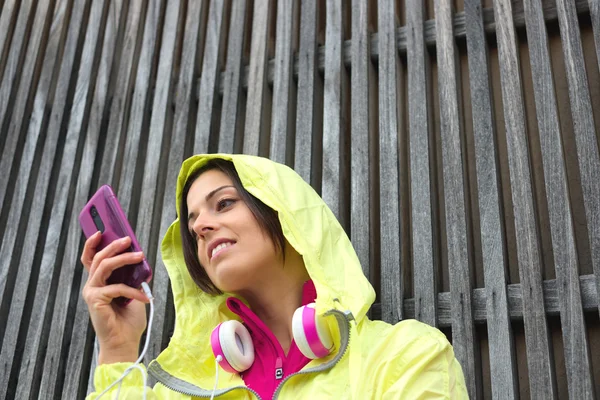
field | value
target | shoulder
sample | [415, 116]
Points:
[410, 357]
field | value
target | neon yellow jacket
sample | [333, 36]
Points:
[371, 360]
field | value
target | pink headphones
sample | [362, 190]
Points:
[231, 340]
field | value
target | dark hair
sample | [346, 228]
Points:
[264, 215]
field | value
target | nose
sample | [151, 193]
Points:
[204, 224]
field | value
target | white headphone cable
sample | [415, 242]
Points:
[217, 361]
[148, 293]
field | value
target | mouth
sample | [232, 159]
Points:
[218, 247]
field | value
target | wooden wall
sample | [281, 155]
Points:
[457, 142]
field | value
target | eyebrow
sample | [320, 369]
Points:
[208, 197]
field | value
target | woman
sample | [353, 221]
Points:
[253, 242]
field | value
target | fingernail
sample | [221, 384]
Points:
[125, 239]
[138, 253]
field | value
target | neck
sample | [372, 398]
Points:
[275, 298]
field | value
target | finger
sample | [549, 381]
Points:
[106, 294]
[89, 250]
[114, 248]
[108, 265]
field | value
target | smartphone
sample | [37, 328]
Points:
[104, 213]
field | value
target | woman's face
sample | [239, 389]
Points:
[232, 247]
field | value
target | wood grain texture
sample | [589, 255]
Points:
[424, 261]
[210, 69]
[583, 126]
[392, 285]
[70, 266]
[334, 122]
[576, 348]
[539, 359]
[177, 150]
[284, 88]
[27, 208]
[453, 148]
[32, 354]
[258, 91]
[14, 107]
[8, 18]
[137, 124]
[515, 302]
[360, 203]
[231, 80]
[503, 369]
[595, 17]
[306, 123]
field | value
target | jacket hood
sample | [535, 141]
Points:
[308, 225]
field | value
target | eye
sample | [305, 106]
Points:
[225, 203]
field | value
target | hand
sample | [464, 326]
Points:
[118, 328]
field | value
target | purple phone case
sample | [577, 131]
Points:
[116, 226]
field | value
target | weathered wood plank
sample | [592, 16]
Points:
[392, 285]
[539, 359]
[453, 148]
[284, 88]
[69, 264]
[230, 80]
[501, 348]
[334, 105]
[112, 162]
[19, 74]
[210, 69]
[583, 126]
[424, 260]
[515, 302]
[33, 355]
[595, 17]
[258, 91]
[360, 202]
[575, 342]
[27, 208]
[138, 113]
[184, 95]
[306, 124]
[8, 18]
[460, 32]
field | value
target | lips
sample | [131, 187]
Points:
[217, 245]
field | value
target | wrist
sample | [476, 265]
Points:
[116, 354]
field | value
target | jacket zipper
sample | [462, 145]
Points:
[184, 387]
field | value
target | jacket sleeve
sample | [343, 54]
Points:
[132, 386]
[428, 370]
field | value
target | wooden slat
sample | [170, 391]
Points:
[392, 285]
[360, 205]
[452, 136]
[111, 166]
[503, 368]
[304, 150]
[595, 17]
[258, 91]
[424, 261]
[583, 126]
[282, 126]
[113, 155]
[69, 264]
[231, 81]
[153, 180]
[515, 302]
[177, 151]
[210, 68]
[138, 113]
[334, 122]
[20, 70]
[8, 18]
[27, 207]
[576, 348]
[539, 360]
[31, 362]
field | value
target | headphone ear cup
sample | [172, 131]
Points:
[311, 333]
[231, 340]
